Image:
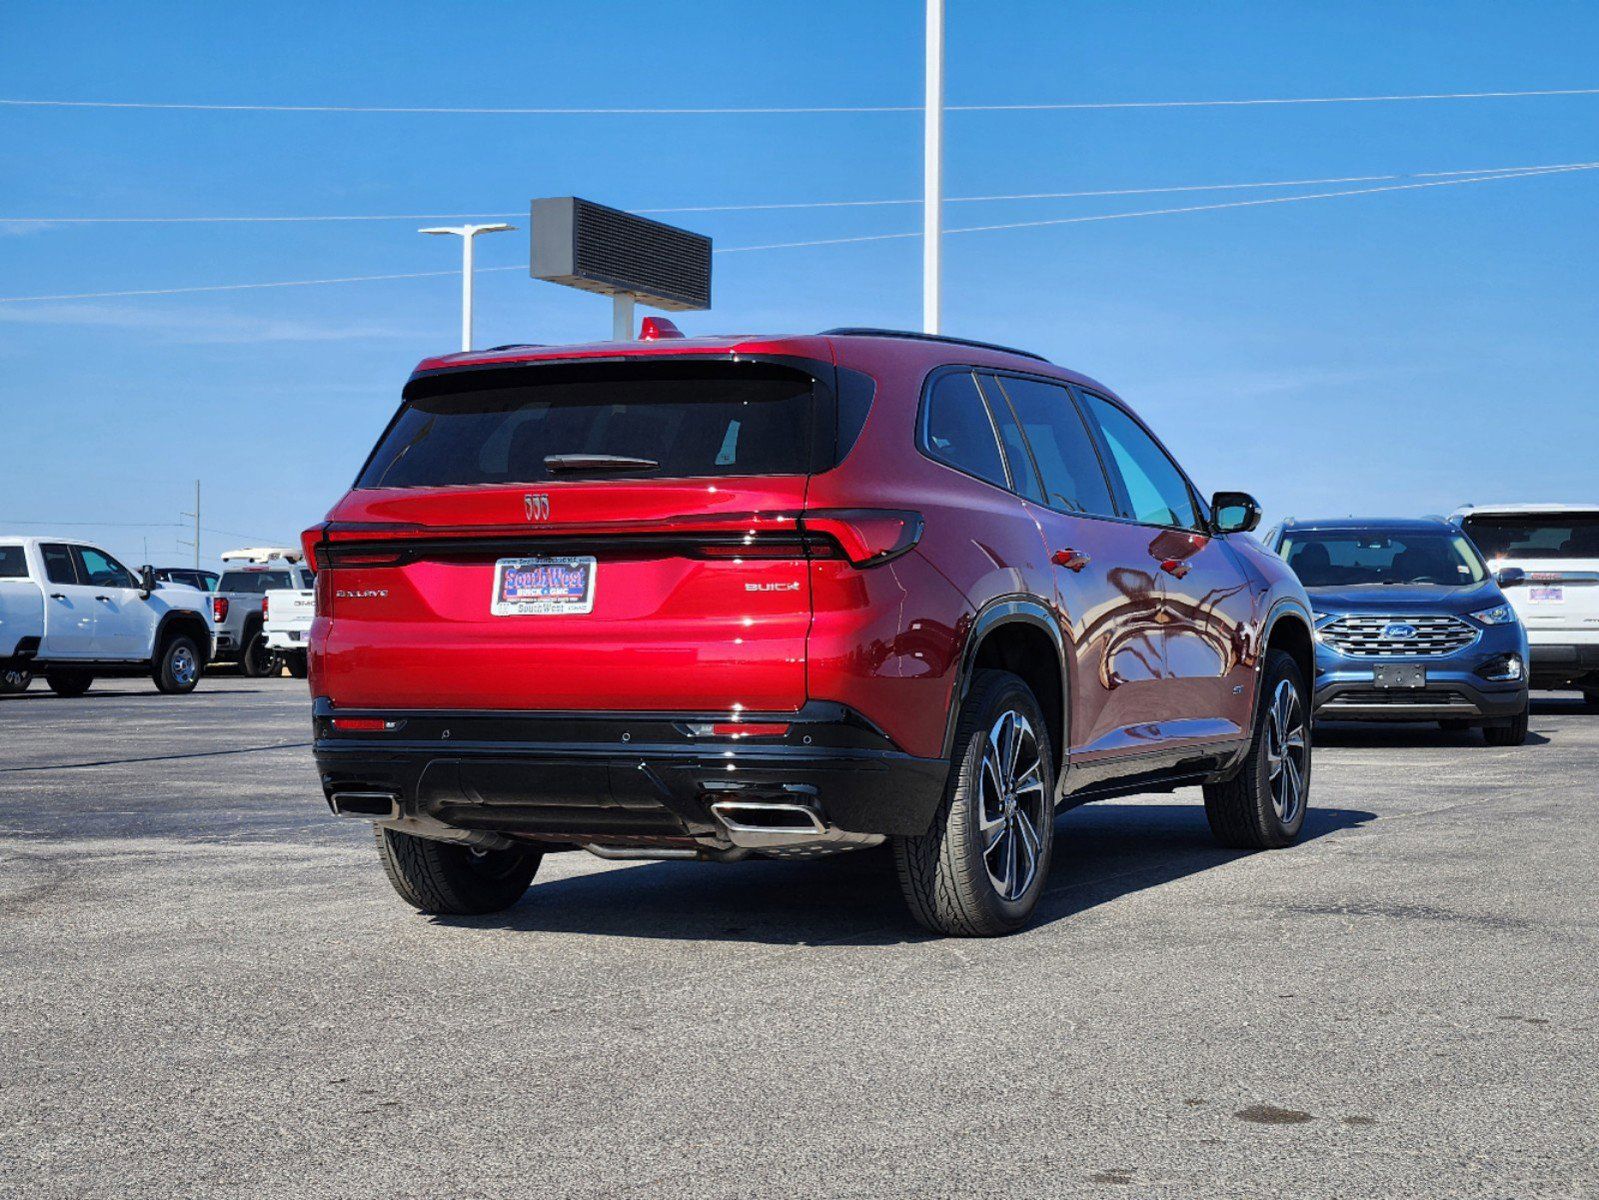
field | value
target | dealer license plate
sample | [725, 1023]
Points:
[1546, 595]
[1399, 675]
[537, 587]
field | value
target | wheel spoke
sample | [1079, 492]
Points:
[1030, 780]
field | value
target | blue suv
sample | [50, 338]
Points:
[1410, 625]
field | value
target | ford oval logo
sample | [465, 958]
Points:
[1398, 631]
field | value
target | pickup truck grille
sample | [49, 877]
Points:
[1395, 637]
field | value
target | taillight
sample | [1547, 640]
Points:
[266, 605]
[310, 540]
[219, 608]
[867, 537]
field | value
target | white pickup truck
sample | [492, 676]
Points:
[286, 615]
[74, 613]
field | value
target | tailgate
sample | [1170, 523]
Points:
[697, 600]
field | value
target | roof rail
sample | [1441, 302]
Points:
[867, 331]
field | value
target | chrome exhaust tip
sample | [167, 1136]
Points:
[367, 806]
[768, 818]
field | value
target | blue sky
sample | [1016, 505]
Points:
[1381, 354]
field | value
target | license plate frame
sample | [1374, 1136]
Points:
[544, 586]
[1399, 675]
[1546, 593]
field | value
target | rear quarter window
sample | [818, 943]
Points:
[651, 420]
[13, 563]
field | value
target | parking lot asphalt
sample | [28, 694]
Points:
[207, 987]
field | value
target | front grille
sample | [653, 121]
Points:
[1393, 637]
[1403, 697]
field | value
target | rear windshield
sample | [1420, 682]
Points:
[606, 421]
[255, 581]
[1539, 535]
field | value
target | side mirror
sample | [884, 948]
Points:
[1234, 512]
[1510, 577]
[146, 580]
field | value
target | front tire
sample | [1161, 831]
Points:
[12, 682]
[1263, 806]
[451, 879]
[981, 869]
[1512, 732]
[179, 666]
[68, 683]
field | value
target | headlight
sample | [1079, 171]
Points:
[1499, 614]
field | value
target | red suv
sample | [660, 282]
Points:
[784, 596]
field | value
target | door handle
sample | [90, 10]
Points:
[58, 596]
[1070, 559]
[1175, 567]
[103, 599]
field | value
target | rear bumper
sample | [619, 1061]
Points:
[622, 779]
[1557, 664]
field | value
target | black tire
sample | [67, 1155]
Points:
[295, 661]
[256, 660]
[945, 874]
[1258, 809]
[178, 666]
[1590, 698]
[1511, 732]
[12, 682]
[450, 879]
[69, 683]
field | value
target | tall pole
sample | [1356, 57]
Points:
[622, 317]
[466, 292]
[467, 233]
[933, 167]
[196, 524]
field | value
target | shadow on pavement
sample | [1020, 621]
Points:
[1102, 851]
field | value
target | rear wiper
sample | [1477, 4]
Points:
[598, 462]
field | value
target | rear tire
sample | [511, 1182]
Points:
[256, 660]
[69, 683]
[12, 682]
[451, 879]
[179, 666]
[1263, 806]
[981, 869]
[1512, 732]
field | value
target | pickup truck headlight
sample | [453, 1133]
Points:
[1499, 614]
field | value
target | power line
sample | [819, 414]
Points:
[798, 204]
[769, 110]
[1527, 173]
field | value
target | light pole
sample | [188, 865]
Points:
[933, 166]
[466, 233]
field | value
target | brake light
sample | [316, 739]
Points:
[219, 608]
[310, 540]
[266, 603]
[868, 537]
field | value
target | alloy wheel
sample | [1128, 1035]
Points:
[1013, 806]
[1287, 752]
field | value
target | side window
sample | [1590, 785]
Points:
[13, 563]
[1155, 488]
[958, 431]
[99, 569]
[1022, 472]
[1073, 478]
[58, 566]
